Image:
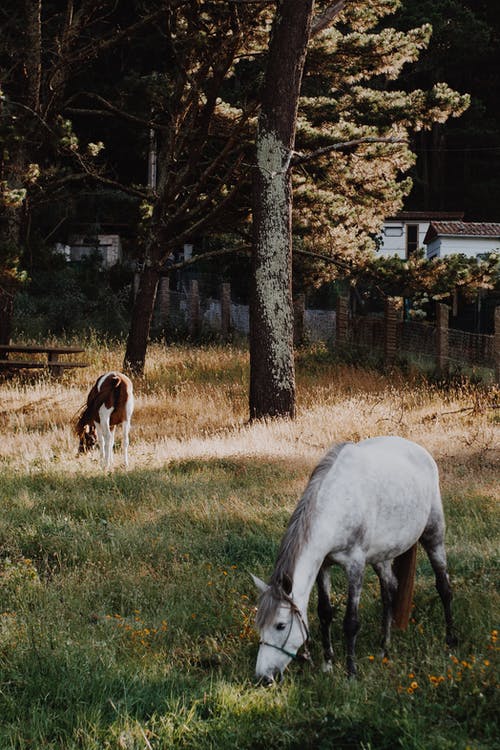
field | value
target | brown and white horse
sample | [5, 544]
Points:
[109, 403]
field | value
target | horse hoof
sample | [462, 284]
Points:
[327, 666]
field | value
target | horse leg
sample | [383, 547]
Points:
[107, 437]
[355, 573]
[388, 588]
[437, 556]
[325, 614]
[100, 440]
[111, 445]
[125, 429]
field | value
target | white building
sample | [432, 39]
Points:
[108, 246]
[465, 237]
[405, 232]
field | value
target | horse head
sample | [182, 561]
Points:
[88, 439]
[282, 629]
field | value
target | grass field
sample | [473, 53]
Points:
[126, 606]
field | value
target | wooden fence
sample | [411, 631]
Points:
[437, 345]
[387, 336]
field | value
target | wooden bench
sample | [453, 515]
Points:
[50, 361]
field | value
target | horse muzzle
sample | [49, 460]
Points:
[266, 680]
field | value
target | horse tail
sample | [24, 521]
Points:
[118, 386]
[404, 567]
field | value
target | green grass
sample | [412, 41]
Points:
[126, 605]
[126, 622]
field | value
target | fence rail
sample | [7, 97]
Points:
[386, 335]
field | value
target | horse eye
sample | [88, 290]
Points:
[280, 626]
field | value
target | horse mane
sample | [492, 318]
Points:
[296, 535]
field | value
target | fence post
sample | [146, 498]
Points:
[299, 308]
[442, 319]
[341, 321]
[391, 317]
[496, 344]
[194, 320]
[225, 310]
[163, 301]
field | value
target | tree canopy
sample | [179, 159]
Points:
[90, 89]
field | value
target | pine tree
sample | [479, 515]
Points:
[355, 128]
[353, 138]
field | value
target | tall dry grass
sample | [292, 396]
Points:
[192, 403]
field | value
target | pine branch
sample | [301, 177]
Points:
[245, 249]
[323, 20]
[303, 158]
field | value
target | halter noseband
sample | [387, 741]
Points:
[295, 611]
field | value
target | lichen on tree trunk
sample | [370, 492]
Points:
[272, 373]
[272, 369]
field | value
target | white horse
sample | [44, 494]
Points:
[110, 402]
[365, 503]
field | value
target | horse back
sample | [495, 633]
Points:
[380, 495]
[114, 392]
[117, 396]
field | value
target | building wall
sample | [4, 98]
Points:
[394, 237]
[109, 247]
[470, 246]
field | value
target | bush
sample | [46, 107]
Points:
[74, 299]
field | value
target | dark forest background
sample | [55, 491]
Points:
[457, 166]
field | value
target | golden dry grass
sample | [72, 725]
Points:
[192, 403]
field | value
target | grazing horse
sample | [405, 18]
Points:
[109, 403]
[365, 503]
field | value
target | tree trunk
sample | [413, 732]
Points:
[142, 314]
[272, 373]
[6, 313]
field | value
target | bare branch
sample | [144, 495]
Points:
[110, 110]
[200, 224]
[326, 258]
[243, 249]
[94, 48]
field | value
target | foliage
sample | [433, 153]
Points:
[419, 278]
[105, 83]
[351, 95]
[73, 300]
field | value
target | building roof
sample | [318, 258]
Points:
[423, 216]
[462, 229]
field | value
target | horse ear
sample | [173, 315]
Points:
[261, 586]
[287, 584]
